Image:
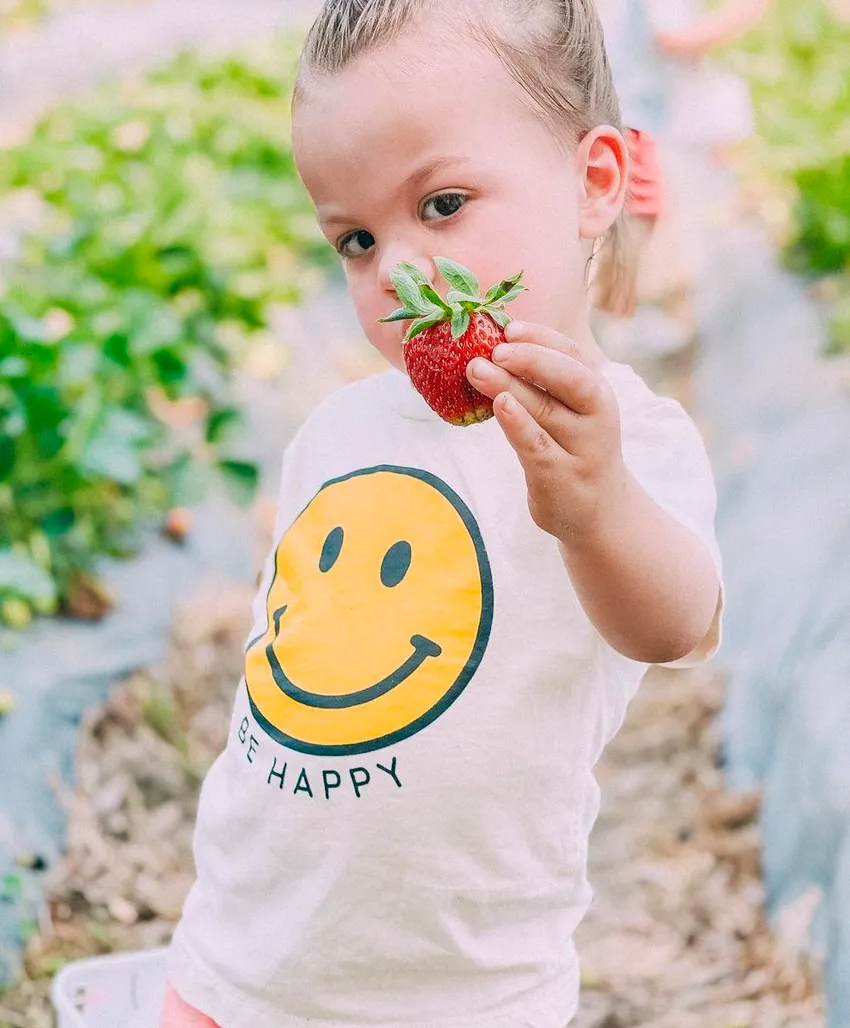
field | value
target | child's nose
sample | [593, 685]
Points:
[392, 260]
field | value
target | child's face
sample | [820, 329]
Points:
[426, 148]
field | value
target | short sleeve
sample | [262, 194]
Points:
[663, 449]
[290, 501]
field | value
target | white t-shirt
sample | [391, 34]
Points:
[396, 833]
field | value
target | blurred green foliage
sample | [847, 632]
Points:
[21, 13]
[164, 219]
[798, 64]
[25, 14]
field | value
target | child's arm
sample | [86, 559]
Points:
[734, 19]
[645, 580]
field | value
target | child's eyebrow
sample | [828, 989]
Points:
[416, 178]
[435, 164]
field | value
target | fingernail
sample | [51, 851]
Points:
[509, 404]
[502, 352]
[481, 369]
[514, 330]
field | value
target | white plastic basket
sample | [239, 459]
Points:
[125, 990]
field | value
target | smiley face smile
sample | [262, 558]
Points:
[422, 649]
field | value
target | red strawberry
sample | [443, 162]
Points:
[447, 334]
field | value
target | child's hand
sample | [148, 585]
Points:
[645, 580]
[561, 416]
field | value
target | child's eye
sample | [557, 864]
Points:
[443, 206]
[355, 244]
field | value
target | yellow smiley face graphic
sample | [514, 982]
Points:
[378, 614]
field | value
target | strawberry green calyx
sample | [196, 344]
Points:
[424, 306]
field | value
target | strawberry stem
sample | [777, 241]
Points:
[424, 307]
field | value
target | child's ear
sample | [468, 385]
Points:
[602, 161]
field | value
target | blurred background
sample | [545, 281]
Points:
[169, 314]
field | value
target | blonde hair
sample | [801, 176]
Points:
[555, 51]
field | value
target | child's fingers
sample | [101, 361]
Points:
[560, 375]
[530, 332]
[557, 420]
[532, 443]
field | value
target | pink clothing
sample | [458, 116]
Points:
[177, 1014]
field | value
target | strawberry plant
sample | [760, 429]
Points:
[164, 220]
[799, 160]
[821, 236]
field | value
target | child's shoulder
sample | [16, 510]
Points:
[372, 399]
[634, 394]
[646, 416]
[370, 407]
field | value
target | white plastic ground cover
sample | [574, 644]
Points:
[125, 990]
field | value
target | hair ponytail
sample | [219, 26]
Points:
[613, 271]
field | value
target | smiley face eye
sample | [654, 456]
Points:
[396, 564]
[331, 549]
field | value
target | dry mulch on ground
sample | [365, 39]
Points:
[676, 936]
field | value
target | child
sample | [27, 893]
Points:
[453, 620]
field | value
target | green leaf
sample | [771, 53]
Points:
[456, 296]
[12, 887]
[436, 300]
[415, 273]
[240, 479]
[171, 367]
[400, 315]
[460, 322]
[7, 456]
[501, 289]
[24, 577]
[498, 316]
[512, 294]
[222, 423]
[13, 367]
[422, 323]
[160, 714]
[59, 521]
[160, 329]
[113, 449]
[408, 291]
[457, 276]
[188, 481]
